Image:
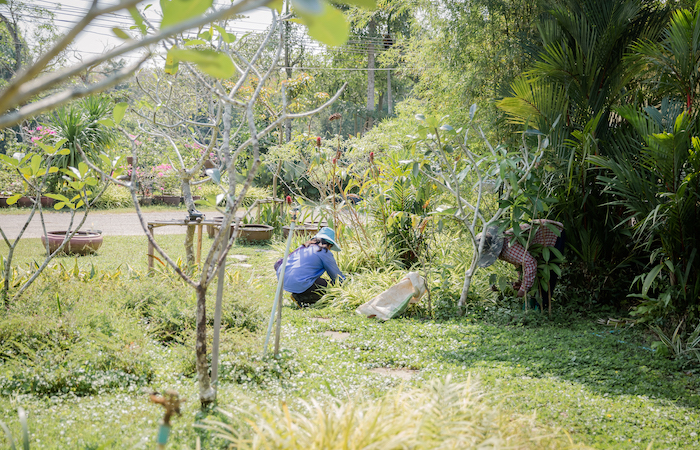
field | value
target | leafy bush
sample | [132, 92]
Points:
[114, 197]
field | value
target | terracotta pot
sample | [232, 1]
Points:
[130, 160]
[307, 229]
[171, 200]
[3, 202]
[255, 232]
[82, 243]
[146, 201]
[47, 202]
[25, 202]
[208, 164]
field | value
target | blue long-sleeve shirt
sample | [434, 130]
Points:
[305, 265]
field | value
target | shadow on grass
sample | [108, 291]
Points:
[607, 361]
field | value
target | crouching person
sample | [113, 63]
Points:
[504, 246]
[306, 265]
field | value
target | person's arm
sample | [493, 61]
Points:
[529, 265]
[331, 266]
[548, 221]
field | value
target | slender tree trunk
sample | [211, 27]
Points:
[370, 74]
[189, 234]
[189, 247]
[206, 394]
[468, 280]
[389, 100]
[288, 69]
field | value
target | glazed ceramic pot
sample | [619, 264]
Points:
[47, 202]
[82, 243]
[25, 202]
[145, 201]
[171, 200]
[255, 232]
[307, 229]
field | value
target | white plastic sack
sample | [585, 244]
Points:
[396, 299]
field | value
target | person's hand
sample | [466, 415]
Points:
[521, 293]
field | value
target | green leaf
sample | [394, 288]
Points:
[11, 200]
[9, 160]
[107, 122]
[206, 35]
[171, 63]
[214, 174]
[213, 63]
[314, 7]
[64, 151]
[651, 276]
[176, 11]
[190, 42]
[329, 27]
[227, 37]
[367, 4]
[119, 111]
[36, 163]
[44, 147]
[59, 197]
[138, 20]
[277, 5]
[121, 34]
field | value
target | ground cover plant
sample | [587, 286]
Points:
[88, 345]
[599, 135]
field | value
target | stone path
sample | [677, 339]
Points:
[110, 223]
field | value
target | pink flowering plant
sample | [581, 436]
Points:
[166, 180]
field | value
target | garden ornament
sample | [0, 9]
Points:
[493, 244]
[328, 235]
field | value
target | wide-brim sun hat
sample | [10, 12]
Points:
[493, 244]
[327, 234]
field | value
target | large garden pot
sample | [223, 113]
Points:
[307, 229]
[255, 232]
[82, 243]
[3, 202]
[145, 201]
[47, 202]
[25, 202]
[171, 200]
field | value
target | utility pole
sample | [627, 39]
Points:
[370, 75]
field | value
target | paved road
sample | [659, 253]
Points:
[122, 223]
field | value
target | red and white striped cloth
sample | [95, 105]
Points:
[517, 255]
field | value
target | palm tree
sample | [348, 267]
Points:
[79, 123]
[673, 64]
[577, 79]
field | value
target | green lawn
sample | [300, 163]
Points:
[83, 347]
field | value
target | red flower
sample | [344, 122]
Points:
[335, 161]
[371, 157]
[289, 199]
[318, 141]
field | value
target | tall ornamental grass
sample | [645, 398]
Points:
[440, 415]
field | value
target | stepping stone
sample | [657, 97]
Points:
[241, 258]
[337, 335]
[320, 319]
[404, 374]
